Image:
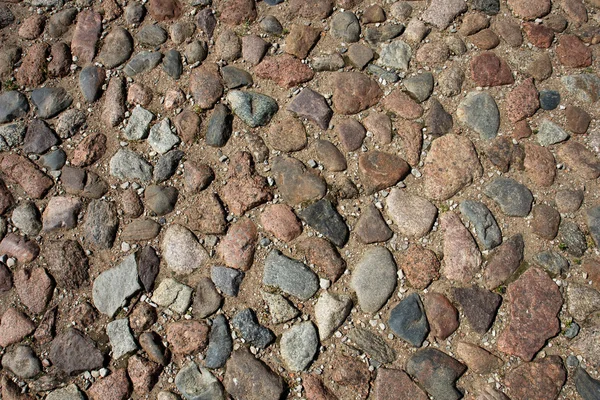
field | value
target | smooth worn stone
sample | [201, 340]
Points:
[360, 55]
[151, 36]
[312, 9]
[234, 77]
[321, 253]
[60, 64]
[477, 359]
[408, 320]
[14, 327]
[441, 315]
[161, 137]
[587, 387]
[142, 62]
[85, 37]
[251, 330]
[568, 200]
[328, 155]
[396, 55]
[89, 150]
[593, 223]
[35, 288]
[72, 352]
[354, 92]
[39, 137]
[219, 126]
[245, 189]
[508, 30]
[549, 99]
[287, 135]
[413, 215]
[578, 120]
[571, 238]
[324, 218]
[174, 295]
[451, 164]
[539, 164]
[380, 125]
[345, 27]
[437, 373]
[374, 279]
[101, 223]
[280, 220]
[19, 247]
[114, 286]
[542, 379]
[49, 102]
[301, 40]
[128, 165]
[438, 52]
[197, 176]
[139, 95]
[13, 105]
[479, 112]
[270, 24]
[206, 299]
[296, 183]
[148, 266]
[585, 87]
[121, 340]
[451, 81]
[351, 134]
[530, 9]
[237, 12]
[298, 346]
[26, 217]
[117, 47]
[545, 221]
[227, 280]
[539, 35]
[206, 21]
[285, 70]
[187, 123]
[579, 159]
[572, 52]
[383, 74]
[70, 392]
[380, 170]
[114, 102]
[415, 32]
[554, 263]
[181, 250]
[164, 10]
[371, 227]
[166, 166]
[255, 109]
[61, 213]
[582, 301]
[243, 370]
[529, 327]
[22, 362]
[196, 51]
[91, 79]
[421, 266]
[489, 70]
[331, 311]
[291, 276]
[187, 336]
[483, 220]
[208, 214]
[503, 262]
[115, 386]
[441, 13]
[395, 384]
[514, 198]
[312, 105]
[479, 306]
[172, 64]
[462, 258]
[197, 383]
[59, 23]
[420, 86]
[220, 343]
[254, 47]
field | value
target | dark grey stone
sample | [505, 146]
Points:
[549, 99]
[325, 219]
[490, 7]
[13, 105]
[219, 126]
[49, 102]
[257, 335]
[593, 223]
[39, 137]
[152, 36]
[172, 64]
[483, 220]
[479, 306]
[144, 61]
[291, 276]
[220, 343]
[255, 109]
[101, 223]
[436, 372]
[571, 238]
[54, 160]
[166, 166]
[514, 198]
[91, 79]
[310, 104]
[408, 320]
[235, 77]
[587, 387]
[227, 280]
[161, 199]
[552, 262]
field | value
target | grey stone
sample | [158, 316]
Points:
[549, 133]
[117, 47]
[196, 51]
[121, 340]
[26, 217]
[513, 197]
[142, 62]
[396, 55]
[220, 343]
[101, 223]
[299, 345]
[549, 99]
[161, 199]
[479, 306]
[138, 124]
[174, 295]
[49, 102]
[345, 27]
[172, 64]
[253, 108]
[70, 122]
[571, 332]
[383, 33]
[419, 86]
[61, 213]
[379, 72]
[13, 105]
[582, 301]
[11, 135]
[552, 262]
[373, 345]
[128, 165]
[374, 279]
[486, 227]
[227, 280]
[280, 308]
[271, 24]
[113, 286]
[22, 361]
[166, 166]
[490, 7]
[413, 215]
[70, 392]
[38, 139]
[593, 223]
[436, 372]
[586, 87]
[291, 276]
[571, 238]
[479, 112]
[587, 387]
[72, 352]
[251, 330]
[325, 219]
[91, 79]
[310, 104]
[408, 320]
[181, 250]
[54, 160]
[196, 383]
[235, 77]
[331, 311]
[206, 299]
[161, 137]
[332, 62]
[151, 36]
[219, 126]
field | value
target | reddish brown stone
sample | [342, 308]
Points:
[111, 10]
[462, 258]
[205, 85]
[503, 262]
[32, 71]
[324, 256]
[295, 182]
[164, 10]
[441, 315]
[591, 267]
[578, 120]
[371, 227]
[237, 12]
[523, 101]
[534, 302]
[281, 222]
[90, 150]
[477, 359]
[143, 374]
[32, 27]
[6, 198]
[539, 164]
[187, 123]
[60, 64]
[402, 105]
[521, 130]
[487, 69]
[22, 249]
[539, 35]
[485, 39]
[351, 373]
[205, 214]
[395, 384]
[25, 173]
[572, 52]
[354, 92]
[14, 327]
[421, 266]
[139, 94]
[197, 176]
[539, 380]
[114, 387]
[285, 70]
[314, 389]
[311, 9]
[509, 30]
[379, 170]
[351, 134]
[411, 138]
[287, 134]
[237, 247]
[87, 32]
[380, 125]
[575, 10]
[545, 221]
[530, 9]
[34, 288]
[503, 153]
[245, 189]
[187, 337]
[579, 159]
[301, 40]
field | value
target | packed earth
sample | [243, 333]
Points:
[299, 199]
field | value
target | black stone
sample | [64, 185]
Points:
[549, 99]
[324, 218]
[219, 126]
